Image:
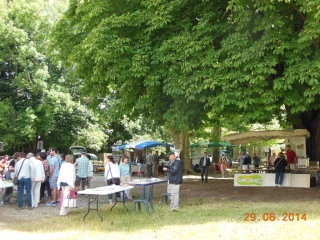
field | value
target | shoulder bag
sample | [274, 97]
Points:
[15, 179]
[278, 163]
[115, 181]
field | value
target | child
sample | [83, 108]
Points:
[223, 161]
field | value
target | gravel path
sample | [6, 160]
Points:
[8, 210]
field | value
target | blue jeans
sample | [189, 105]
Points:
[109, 182]
[24, 183]
[279, 177]
[149, 167]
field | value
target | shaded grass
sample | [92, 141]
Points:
[197, 218]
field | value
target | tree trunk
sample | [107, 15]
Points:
[216, 137]
[181, 141]
[311, 121]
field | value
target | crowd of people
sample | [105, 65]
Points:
[42, 173]
[45, 177]
[152, 161]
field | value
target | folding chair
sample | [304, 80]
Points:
[145, 201]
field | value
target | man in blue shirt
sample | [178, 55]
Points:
[82, 164]
[55, 164]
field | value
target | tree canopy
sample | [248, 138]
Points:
[174, 60]
[36, 100]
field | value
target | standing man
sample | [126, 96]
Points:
[55, 164]
[149, 160]
[156, 160]
[247, 159]
[256, 160]
[204, 165]
[291, 157]
[82, 173]
[174, 180]
[25, 170]
[241, 160]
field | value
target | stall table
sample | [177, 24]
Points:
[103, 191]
[4, 185]
[268, 180]
[146, 182]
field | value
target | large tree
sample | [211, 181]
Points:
[172, 60]
[147, 51]
[267, 64]
[35, 98]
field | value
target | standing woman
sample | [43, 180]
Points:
[7, 192]
[66, 180]
[125, 173]
[280, 166]
[37, 178]
[45, 184]
[111, 170]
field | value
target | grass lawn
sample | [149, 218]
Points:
[197, 219]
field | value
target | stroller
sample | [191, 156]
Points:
[7, 192]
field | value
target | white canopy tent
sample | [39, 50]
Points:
[254, 136]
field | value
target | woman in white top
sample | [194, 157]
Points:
[66, 180]
[111, 170]
[37, 178]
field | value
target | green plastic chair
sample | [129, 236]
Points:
[145, 201]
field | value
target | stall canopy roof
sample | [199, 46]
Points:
[254, 136]
[145, 144]
[211, 144]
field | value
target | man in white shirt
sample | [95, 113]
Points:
[24, 170]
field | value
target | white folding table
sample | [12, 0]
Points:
[103, 191]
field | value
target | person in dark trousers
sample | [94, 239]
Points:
[204, 165]
[280, 166]
[174, 180]
[256, 160]
[247, 159]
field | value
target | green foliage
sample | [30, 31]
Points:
[268, 60]
[35, 99]
[151, 53]
[174, 61]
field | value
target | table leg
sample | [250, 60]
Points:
[115, 200]
[144, 192]
[89, 207]
[124, 200]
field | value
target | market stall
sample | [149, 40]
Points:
[296, 138]
[267, 180]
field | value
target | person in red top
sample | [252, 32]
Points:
[291, 157]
